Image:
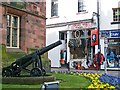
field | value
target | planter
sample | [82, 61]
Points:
[27, 80]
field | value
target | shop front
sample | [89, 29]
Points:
[113, 49]
[78, 45]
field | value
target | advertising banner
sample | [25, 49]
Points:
[94, 37]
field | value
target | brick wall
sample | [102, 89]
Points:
[32, 26]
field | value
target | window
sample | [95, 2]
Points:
[116, 14]
[81, 6]
[12, 31]
[54, 8]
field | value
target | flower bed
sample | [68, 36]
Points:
[98, 80]
[113, 80]
[96, 83]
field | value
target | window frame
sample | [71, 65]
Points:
[11, 31]
[81, 6]
[116, 18]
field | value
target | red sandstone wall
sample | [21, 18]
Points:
[32, 28]
[3, 29]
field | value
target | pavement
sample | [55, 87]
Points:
[109, 72]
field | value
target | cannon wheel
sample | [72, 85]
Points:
[16, 72]
[36, 72]
[7, 72]
[43, 72]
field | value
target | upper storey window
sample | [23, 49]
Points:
[54, 8]
[116, 14]
[81, 6]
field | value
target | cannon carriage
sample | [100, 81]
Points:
[22, 63]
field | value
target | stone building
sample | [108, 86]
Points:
[22, 25]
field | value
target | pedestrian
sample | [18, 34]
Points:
[98, 61]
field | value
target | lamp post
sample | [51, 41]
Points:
[98, 26]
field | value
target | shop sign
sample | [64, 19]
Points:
[105, 33]
[115, 33]
[81, 25]
[112, 33]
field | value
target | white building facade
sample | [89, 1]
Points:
[110, 28]
[71, 21]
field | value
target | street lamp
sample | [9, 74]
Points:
[98, 27]
[98, 24]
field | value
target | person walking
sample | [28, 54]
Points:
[98, 61]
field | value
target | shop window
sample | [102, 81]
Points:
[79, 44]
[112, 59]
[54, 8]
[116, 15]
[12, 30]
[81, 6]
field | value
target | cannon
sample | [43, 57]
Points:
[22, 63]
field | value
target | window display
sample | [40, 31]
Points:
[112, 59]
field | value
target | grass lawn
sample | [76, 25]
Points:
[71, 81]
[66, 81]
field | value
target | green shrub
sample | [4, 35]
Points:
[3, 53]
[8, 57]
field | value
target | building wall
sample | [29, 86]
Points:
[32, 24]
[3, 29]
[67, 11]
[112, 33]
[106, 14]
[52, 36]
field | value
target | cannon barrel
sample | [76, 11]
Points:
[29, 57]
[47, 48]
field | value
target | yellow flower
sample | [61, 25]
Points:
[97, 88]
[91, 86]
[101, 86]
[105, 89]
[111, 87]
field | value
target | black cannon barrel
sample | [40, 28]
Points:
[47, 48]
[21, 61]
